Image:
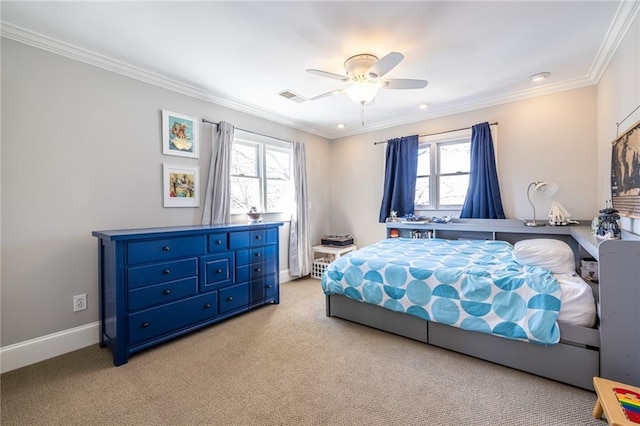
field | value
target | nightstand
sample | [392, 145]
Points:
[322, 256]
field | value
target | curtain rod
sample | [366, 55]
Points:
[440, 133]
[204, 120]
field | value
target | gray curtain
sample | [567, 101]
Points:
[217, 203]
[299, 234]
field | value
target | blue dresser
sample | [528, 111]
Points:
[159, 283]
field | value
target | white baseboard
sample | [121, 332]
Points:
[284, 276]
[41, 348]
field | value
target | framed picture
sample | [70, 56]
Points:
[179, 135]
[181, 185]
[625, 172]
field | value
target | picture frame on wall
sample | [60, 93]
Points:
[181, 185]
[180, 135]
[625, 172]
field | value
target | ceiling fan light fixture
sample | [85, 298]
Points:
[536, 78]
[363, 93]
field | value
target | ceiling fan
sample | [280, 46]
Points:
[365, 71]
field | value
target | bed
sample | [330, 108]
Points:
[520, 305]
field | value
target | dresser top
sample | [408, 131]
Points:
[126, 234]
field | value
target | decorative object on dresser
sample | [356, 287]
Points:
[159, 283]
[539, 191]
[254, 215]
[179, 135]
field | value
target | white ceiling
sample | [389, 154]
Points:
[242, 54]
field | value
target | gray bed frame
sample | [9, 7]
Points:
[612, 350]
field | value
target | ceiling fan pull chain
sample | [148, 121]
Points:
[362, 112]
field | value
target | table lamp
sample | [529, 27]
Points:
[539, 191]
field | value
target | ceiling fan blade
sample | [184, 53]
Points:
[404, 83]
[324, 95]
[328, 74]
[385, 64]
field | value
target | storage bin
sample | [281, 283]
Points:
[319, 265]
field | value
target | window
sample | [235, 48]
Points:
[443, 171]
[260, 174]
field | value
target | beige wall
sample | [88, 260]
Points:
[618, 96]
[81, 151]
[549, 137]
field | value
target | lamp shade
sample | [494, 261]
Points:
[543, 190]
[363, 93]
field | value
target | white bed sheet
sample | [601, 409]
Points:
[578, 304]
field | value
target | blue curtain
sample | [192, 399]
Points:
[483, 196]
[400, 172]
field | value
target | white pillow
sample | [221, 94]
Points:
[578, 304]
[554, 255]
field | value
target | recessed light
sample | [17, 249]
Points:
[423, 105]
[539, 77]
[340, 126]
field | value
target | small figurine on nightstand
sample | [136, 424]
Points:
[608, 227]
[393, 216]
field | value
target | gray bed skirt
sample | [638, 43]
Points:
[574, 361]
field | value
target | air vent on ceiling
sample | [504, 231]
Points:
[292, 96]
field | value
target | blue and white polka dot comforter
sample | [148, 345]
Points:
[470, 284]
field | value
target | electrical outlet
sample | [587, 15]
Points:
[79, 302]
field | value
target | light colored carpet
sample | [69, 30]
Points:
[287, 364]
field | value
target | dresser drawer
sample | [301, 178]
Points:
[272, 236]
[162, 293]
[168, 248]
[258, 238]
[250, 272]
[255, 270]
[216, 271]
[156, 322]
[263, 288]
[247, 256]
[161, 272]
[218, 242]
[238, 240]
[255, 238]
[234, 297]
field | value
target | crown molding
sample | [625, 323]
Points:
[474, 105]
[40, 41]
[625, 15]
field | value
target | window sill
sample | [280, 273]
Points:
[437, 212]
[266, 217]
